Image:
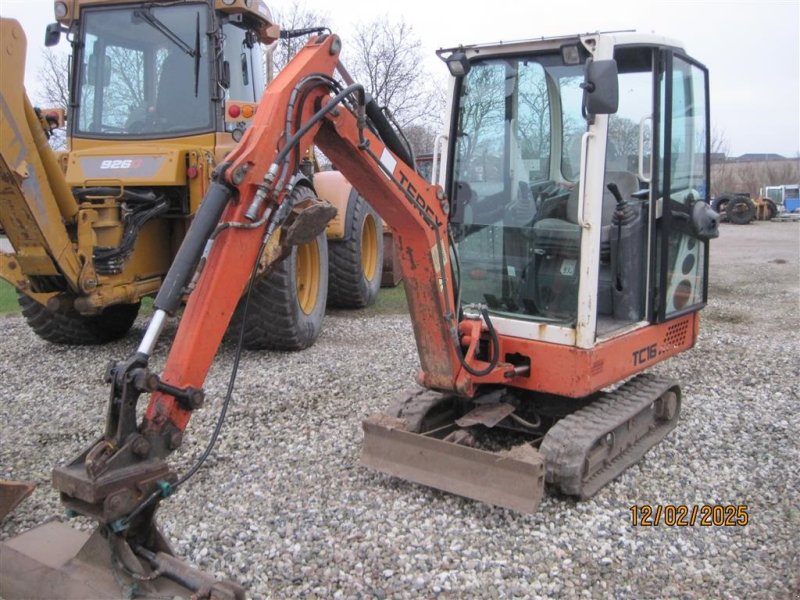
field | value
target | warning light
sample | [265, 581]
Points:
[191, 172]
[247, 112]
[234, 110]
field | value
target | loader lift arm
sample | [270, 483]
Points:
[120, 480]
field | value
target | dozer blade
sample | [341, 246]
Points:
[513, 479]
[12, 493]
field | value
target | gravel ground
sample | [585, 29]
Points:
[284, 508]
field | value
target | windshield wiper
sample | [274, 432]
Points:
[197, 54]
[155, 23]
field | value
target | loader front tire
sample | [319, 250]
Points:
[73, 328]
[288, 305]
[356, 263]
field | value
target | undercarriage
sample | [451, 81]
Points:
[452, 444]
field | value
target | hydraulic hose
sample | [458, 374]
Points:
[495, 349]
[182, 269]
[387, 132]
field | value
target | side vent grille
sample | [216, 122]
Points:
[675, 336]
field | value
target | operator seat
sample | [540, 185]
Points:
[563, 235]
[552, 280]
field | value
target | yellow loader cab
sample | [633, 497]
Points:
[160, 92]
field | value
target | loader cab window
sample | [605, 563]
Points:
[144, 72]
[518, 119]
[243, 56]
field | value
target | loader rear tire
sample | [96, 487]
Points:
[287, 306]
[740, 211]
[73, 328]
[356, 264]
[772, 209]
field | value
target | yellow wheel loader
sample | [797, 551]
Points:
[160, 93]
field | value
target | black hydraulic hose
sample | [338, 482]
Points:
[289, 34]
[316, 117]
[387, 132]
[182, 269]
[303, 89]
[495, 349]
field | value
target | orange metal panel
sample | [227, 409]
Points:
[575, 372]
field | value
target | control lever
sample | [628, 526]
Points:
[614, 189]
[624, 212]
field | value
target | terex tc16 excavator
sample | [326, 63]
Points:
[566, 251]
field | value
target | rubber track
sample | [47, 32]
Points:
[414, 405]
[566, 445]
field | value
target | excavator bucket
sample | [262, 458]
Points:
[513, 479]
[12, 493]
[54, 560]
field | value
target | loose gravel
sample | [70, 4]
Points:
[283, 506]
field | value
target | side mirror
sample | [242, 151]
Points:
[600, 88]
[52, 34]
[705, 221]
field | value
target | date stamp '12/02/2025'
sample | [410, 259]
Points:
[685, 515]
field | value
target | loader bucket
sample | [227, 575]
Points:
[513, 479]
[12, 493]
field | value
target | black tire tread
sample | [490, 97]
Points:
[347, 286]
[740, 217]
[75, 329]
[272, 322]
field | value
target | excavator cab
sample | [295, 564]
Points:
[558, 214]
[577, 170]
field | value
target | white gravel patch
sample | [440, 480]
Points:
[283, 506]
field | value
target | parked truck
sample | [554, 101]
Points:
[785, 197]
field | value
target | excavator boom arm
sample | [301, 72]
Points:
[119, 479]
[415, 210]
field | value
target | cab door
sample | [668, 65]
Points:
[682, 139]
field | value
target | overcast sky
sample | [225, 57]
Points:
[752, 48]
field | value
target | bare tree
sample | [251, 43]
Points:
[386, 57]
[295, 16]
[53, 92]
[54, 79]
[421, 138]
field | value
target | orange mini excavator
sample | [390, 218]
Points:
[561, 251]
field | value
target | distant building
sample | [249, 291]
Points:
[755, 157]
